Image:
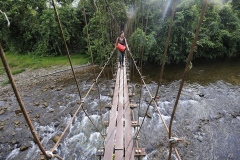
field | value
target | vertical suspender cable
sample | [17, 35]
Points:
[155, 103]
[99, 92]
[81, 105]
[89, 45]
[66, 47]
[166, 48]
[143, 48]
[186, 72]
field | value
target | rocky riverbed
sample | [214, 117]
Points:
[37, 89]
[207, 118]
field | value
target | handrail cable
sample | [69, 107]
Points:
[163, 63]
[95, 80]
[143, 48]
[81, 106]
[100, 105]
[20, 102]
[187, 68]
[144, 83]
[133, 118]
[140, 99]
[153, 100]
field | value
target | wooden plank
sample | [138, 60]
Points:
[109, 144]
[119, 148]
[129, 154]
[119, 154]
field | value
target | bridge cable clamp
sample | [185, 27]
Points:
[50, 153]
[33, 131]
[82, 100]
[174, 140]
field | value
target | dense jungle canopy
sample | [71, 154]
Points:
[34, 29]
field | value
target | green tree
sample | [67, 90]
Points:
[220, 33]
[139, 41]
[184, 25]
[236, 7]
[34, 29]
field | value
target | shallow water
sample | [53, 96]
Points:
[203, 72]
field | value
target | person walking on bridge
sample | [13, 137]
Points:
[121, 45]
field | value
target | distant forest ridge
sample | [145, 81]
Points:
[34, 29]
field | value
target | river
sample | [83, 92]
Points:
[207, 118]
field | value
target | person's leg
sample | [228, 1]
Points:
[120, 57]
[123, 57]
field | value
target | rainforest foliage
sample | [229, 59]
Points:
[34, 29]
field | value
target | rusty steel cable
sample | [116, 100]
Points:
[81, 107]
[155, 104]
[143, 119]
[143, 48]
[166, 48]
[144, 83]
[58, 157]
[89, 46]
[186, 71]
[20, 102]
[88, 38]
[63, 37]
[100, 106]
[135, 128]
[161, 73]
[66, 47]
[140, 98]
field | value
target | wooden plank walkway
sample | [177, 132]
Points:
[109, 144]
[129, 153]
[119, 142]
[119, 134]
